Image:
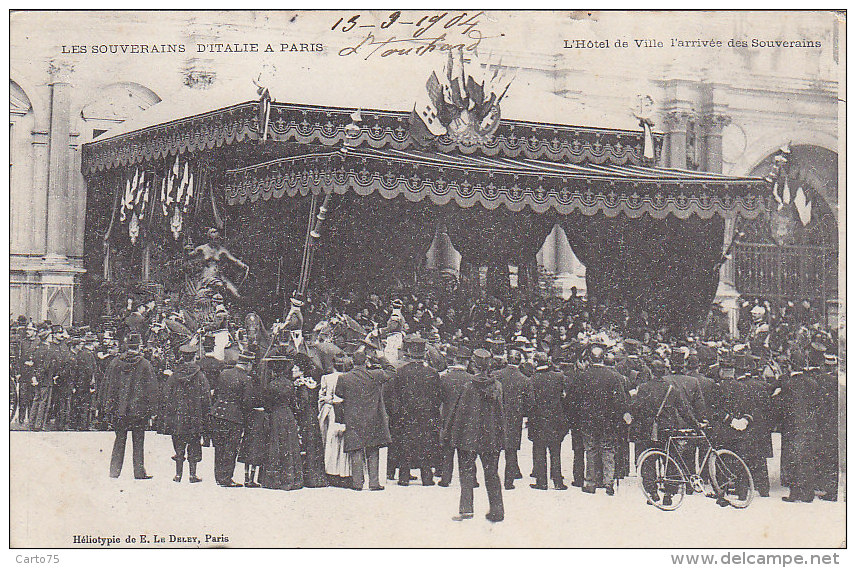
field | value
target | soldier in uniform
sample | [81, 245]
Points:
[417, 387]
[759, 443]
[187, 406]
[64, 372]
[82, 382]
[44, 365]
[517, 402]
[230, 396]
[29, 343]
[548, 423]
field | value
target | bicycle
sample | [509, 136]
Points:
[666, 473]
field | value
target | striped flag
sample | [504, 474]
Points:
[803, 206]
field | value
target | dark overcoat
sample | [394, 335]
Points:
[602, 401]
[420, 395]
[187, 402]
[797, 404]
[517, 402]
[366, 422]
[547, 419]
[477, 422]
[131, 391]
[452, 383]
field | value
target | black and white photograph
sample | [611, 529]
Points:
[434, 278]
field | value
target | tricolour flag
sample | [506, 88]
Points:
[803, 205]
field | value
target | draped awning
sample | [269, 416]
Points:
[515, 183]
[324, 125]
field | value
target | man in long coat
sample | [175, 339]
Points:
[759, 443]
[452, 383]
[230, 397]
[366, 422]
[548, 423]
[797, 403]
[187, 407]
[827, 427]
[44, 365]
[476, 428]
[130, 399]
[517, 402]
[83, 384]
[418, 388]
[602, 405]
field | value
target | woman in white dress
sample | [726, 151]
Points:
[331, 419]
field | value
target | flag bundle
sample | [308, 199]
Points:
[135, 200]
[177, 189]
[787, 199]
[460, 104]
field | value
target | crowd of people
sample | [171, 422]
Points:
[431, 376]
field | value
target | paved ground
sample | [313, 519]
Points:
[60, 488]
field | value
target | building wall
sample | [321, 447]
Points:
[738, 105]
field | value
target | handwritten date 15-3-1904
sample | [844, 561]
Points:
[405, 34]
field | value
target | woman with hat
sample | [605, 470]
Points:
[187, 405]
[331, 418]
[306, 375]
[282, 466]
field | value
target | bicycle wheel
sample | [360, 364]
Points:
[731, 478]
[663, 482]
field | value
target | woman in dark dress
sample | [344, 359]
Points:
[307, 381]
[282, 467]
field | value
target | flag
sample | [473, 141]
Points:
[647, 141]
[803, 205]
[776, 195]
[427, 107]
[182, 185]
[163, 197]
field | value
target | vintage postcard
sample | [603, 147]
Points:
[427, 278]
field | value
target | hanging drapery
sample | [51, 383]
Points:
[664, 267]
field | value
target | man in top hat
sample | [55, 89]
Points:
[548, 423]
[417, 387]
[796, 400]
[452, 383]
[44, 375]
[82, 384]
[130, 399]
[476, 428]
[187, 407]
[688, 386]
[517, 402]
[367, 425]
[230, 395]
[65, 353]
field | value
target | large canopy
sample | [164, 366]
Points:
[650, 237]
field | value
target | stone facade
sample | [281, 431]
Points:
[722, 111]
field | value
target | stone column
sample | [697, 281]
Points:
[675, 124]
[59, 192]
[712, 125]
[59, 268]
